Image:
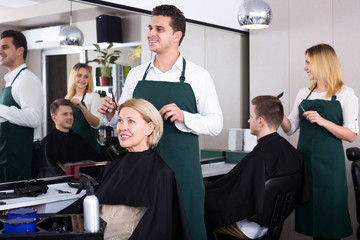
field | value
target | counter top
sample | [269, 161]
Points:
[49, 202]
[216, 169]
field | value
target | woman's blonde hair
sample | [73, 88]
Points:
[71, 82]
[326, 66]
[150, 114]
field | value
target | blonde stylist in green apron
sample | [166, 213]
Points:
[326, 113]
[86, 103]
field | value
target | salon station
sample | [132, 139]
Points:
[243, 63]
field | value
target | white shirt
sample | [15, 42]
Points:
[348, 101]
[93, 103]
[27, 92]
[208, 120]
[251, 229]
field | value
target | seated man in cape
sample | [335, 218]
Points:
[237, 196]
[62, 145]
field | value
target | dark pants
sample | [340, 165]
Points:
[36, 159]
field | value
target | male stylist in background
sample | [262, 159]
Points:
[185, 95]
[21, 109]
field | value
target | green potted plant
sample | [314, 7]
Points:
[105, 60]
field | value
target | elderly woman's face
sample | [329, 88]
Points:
[133, 130]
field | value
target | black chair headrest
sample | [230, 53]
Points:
[353, 154]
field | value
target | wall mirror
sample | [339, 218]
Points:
[223, 52]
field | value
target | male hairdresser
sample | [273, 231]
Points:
[21, 110]
[186, 97]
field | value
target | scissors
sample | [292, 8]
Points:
[303, 110]
[302, 107]
[113, 98]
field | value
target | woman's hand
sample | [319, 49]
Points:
[340, 132]
[314, 117]
[90, 118]
[77, 103]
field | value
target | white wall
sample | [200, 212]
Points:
[209, 11]
[277, 57]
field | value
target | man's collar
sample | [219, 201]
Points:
[178, 64]
[11, 75]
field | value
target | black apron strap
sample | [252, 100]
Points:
[146, 72]
[17, 76]
[182, 77]
[82, 99]
[311, 91]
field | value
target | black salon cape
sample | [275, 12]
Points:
[240, 194]
[143, 179]
[65, 147]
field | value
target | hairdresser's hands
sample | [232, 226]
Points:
[314, 117]
[77, 103]
[173, 112]
[108, 108]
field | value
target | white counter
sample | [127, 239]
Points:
[215, 169]
[53, 201]
[50, 202]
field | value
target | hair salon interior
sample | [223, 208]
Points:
[243, 63]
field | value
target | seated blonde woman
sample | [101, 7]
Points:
[138, 192]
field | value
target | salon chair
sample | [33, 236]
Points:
[353, 154]
[282, 194]
[112, 148]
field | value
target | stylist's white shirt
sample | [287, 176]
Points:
[348, 101]
[27, 92]
[208, 120]
[251, 229]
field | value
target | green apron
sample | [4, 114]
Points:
[16, 143]
[179, 150]
[83, 128]
[326, 215]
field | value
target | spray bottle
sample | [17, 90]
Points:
[91, 204]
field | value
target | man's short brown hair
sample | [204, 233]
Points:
[178, 20]
[54, 106]
[270, 108]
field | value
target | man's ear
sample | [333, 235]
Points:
[53, 117]
[20, 51]
[178, 36]
[261, 121]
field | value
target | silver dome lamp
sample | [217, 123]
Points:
[254, 14]
[71, 36]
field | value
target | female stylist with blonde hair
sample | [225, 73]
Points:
[86, 103]
[326, 113]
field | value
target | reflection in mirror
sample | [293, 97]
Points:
[130, 57]
[223, 53]
[56, 69]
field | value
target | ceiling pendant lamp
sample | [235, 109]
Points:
[71, 36]
[254, 14]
